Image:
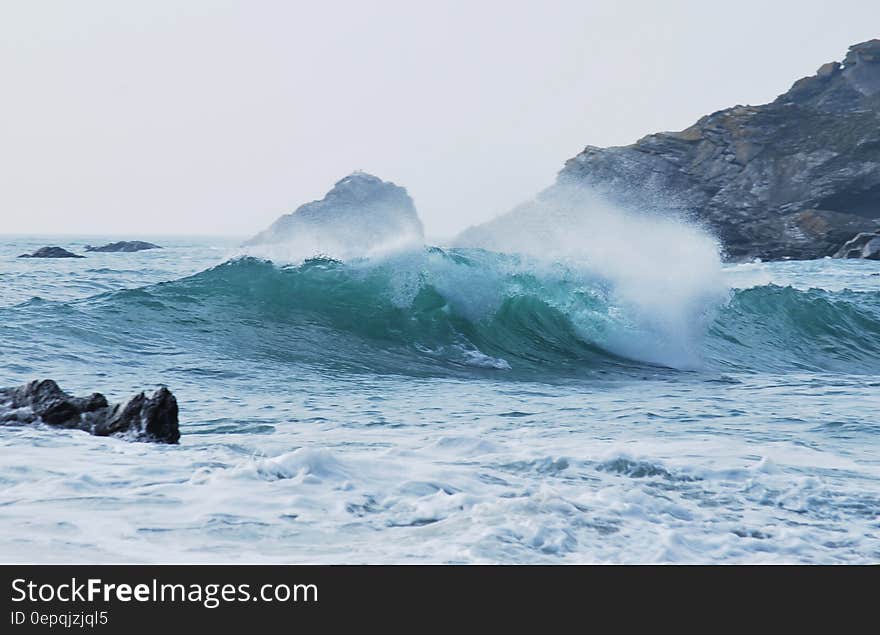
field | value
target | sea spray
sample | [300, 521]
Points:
[663, 275]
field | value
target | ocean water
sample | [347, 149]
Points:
[446, 405]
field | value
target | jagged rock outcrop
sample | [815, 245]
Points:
[126, 246]
[795, 178]
[51, 252]
[140, 418]
[865, 245]
[360, 213]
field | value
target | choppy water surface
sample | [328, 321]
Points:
[444, 405]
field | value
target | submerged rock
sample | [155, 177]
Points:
[865, 245]
[794, 178]
[360, 213]
[140, 418]
[51, 252]
[124, 246]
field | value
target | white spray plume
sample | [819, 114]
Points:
[339, 245]
[664, 274]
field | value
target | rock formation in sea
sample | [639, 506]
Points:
[360, 213]
[140, 418]
[51, 252]
[126, 246]
[865, 245]
[795, 178]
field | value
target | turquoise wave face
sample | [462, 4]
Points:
[461, 312]
[423, 314]
[773, 328]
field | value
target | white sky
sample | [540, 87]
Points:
[172, 116]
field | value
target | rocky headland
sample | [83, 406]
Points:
[796, 178]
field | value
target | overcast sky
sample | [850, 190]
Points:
[171, 116]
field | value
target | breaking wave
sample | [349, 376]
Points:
[471, 311]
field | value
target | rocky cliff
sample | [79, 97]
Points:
[795, 178]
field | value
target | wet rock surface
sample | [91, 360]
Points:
[865, 245]
[140, 418]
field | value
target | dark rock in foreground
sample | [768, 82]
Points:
[865, 245]
[795, 178]
[126, 246]
[141, 418]
[51, 252]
